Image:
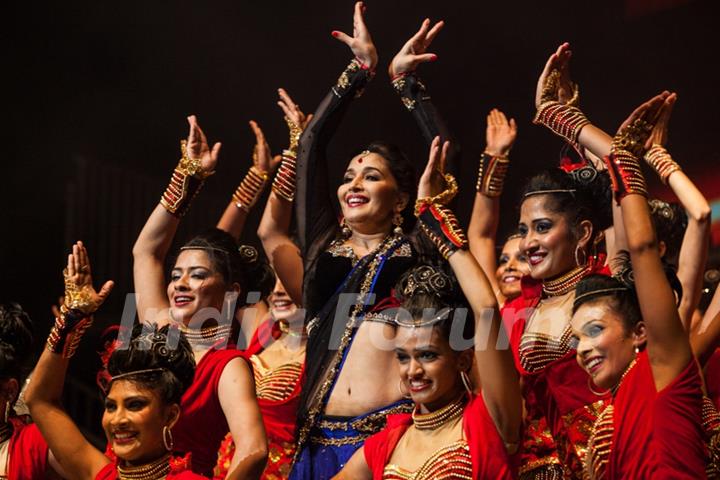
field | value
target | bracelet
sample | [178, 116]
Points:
[440, 225]
[186, 181]
[444, 197]
[564, 120]
[491, 174]
[661, 161]
[346, 77]
[284, 183]
[67, 331]
[250, 189]
[625, 174]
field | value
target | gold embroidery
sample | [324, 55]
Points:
[276, 384]
[600, 444]
[711, 426]
[537, 350]
[451, 462]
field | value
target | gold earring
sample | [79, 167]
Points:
[168, 439]
[577, 260]
[344, 229]
[403, 394]
[466, 381]
[398, 221]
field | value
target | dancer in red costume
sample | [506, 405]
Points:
[143, 402]
[633, 343]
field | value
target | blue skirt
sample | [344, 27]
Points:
[335, 439]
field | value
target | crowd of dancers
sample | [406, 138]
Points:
[390, 344]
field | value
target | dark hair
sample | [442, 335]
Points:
[236, 263]
[16, 342]
[151, 347]
[670, 221]
[621, 288]
[590, 199]
[433, 286]
[404, 173]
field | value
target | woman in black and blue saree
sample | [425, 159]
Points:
[349, 267]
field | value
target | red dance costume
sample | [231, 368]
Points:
[560, 406]
[278, 396]
[482, 441]
[179, 470]
[646, 434]
[27, 452]
[202, 424]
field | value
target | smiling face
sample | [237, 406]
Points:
[547, 240]
[133, 421]
[512, 265]
[281, 307]
[369, 195]
[194, 285]
[429, 368]
[605, 346]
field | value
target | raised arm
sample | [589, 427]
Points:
[313, 206]
[500, 384]
[251, 187]
[197, 163]
[696, 241]
[705, 336]
[413, 93]
[668, 345]
[500, 136]
[75, 455]
[274, 229]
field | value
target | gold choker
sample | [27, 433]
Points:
[565, 283]
[205, 335]
[434, 420]
[150, 471]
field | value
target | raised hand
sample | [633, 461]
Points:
[500, 133]
[360, 43]
[432, 181]
[635, 130]
[262, 156]
[198, 148]
[659, 133]
[80, 294]
[554, 82]
[414, 52]
[292, 110]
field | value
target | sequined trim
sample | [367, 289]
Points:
[451, 462]
[579, 427]
[547, 468]
[276, 384]
[600, 444]
[338, 249]
[711, 426]
[537, 350]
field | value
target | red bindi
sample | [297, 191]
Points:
[360, 160]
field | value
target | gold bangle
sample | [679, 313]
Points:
[491, 174]
[661, 161]
[250, 189]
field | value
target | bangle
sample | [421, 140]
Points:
[661, 161]
[249, 190]
[440, 225]
[444, 197]
[564, 120]
[491, 174]
[284, 182]
[67, 332]
[186, 181]
[625, 174]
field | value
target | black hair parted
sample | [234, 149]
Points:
[432, 286]
[16, 342]
[168, 356]
[242, 264]
[620, 288]
[404, 173]
[590, 199]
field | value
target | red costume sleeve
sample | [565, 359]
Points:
[28, 452]
[487, 450]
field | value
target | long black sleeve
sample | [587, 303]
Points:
[313, 206]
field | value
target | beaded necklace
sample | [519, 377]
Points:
[434, 420]
[204, 335]
[150, 471]
[564, 283]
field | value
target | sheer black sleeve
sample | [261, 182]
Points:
[417, 100]
[313, 206]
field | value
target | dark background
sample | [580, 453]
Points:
[103, 89]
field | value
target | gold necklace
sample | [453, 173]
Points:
[150, 471]
[285, 328]
[434, 420]
[218, 332]
[622, 377]
[564, 283]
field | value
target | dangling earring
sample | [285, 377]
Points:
[168, 439]
[577, 259]
[637, 350]
[398, 221]
[8, 407]
[466, 381]
[403, 394]
[344, 229]
[595, 392]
